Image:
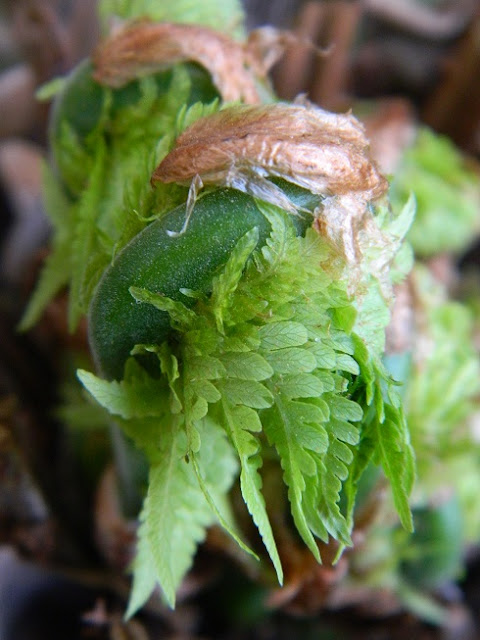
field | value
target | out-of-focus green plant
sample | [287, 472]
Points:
[444, 358]
[223, 16]
[439, 369]
[447, 192]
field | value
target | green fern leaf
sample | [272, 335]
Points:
[302, 385]
[176, 515]
[325, 355]
[207, 367]
[280, 335]
[56, 269]
[333, 469]
[180, 316]
[54, 276]
[291, 360]
[84, 238]
[188, 115]
[276, 248]
[74, 159]
[240, 423]
[246, 392]
[144, 570]
[207, 493]
[396, 456]
[387, 434]
[281, 425]
[224, 285]
[137, 396]
[241, 338]
[246, 366]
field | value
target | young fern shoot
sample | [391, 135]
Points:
[237, 340]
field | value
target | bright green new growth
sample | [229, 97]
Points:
[267, 361]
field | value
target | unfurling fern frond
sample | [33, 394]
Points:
[270, 361]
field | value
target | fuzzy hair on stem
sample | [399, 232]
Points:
[243, 145]
[237, 68]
